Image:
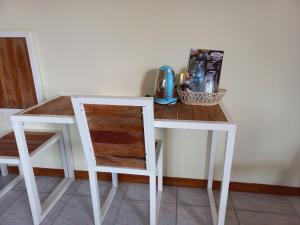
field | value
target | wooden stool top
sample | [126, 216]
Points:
[8, 144]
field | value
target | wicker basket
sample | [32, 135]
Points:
[201, 98]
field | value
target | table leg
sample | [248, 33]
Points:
[68, 151]
[226, 175]
[211, 168]
[212, 159]
[28, 174]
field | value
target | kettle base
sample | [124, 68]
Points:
[165, 101]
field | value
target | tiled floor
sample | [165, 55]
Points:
[182, 206]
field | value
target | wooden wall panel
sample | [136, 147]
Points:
[16, 79]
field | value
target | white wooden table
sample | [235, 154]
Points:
[178, 116]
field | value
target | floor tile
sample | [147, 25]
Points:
[112, 212]
[47, 184]
[5, 180]
[19, 212]
[295, 201]
[137, 192]
[56, 210]
[104, 186]
[141, 192]
[259, 218]
[262, 203]
[137, 213]
[192, 196]
[78, 211]
[44, 184]
[169, 195]
[167, 214]
[217, 199]
[20, 186]
[193, 215]
[73, 187]
[133, 213]
[198, 215]
[231, 218]
[75, 206]
[7, 200]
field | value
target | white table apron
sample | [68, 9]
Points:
[229, 127]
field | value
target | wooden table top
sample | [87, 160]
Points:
[62, 106]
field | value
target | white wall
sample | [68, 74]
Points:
[114, 47]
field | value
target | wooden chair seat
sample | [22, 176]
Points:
[8, 144]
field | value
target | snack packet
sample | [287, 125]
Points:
[205, 70]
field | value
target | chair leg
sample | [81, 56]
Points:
[115, 179]
[95, 197]
[160, 170]
[153, 218]
[4, 171]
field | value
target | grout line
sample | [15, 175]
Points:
[262, 212]
[195, 205]
[135, 200]
[115, 220]
[289, 202]
[60, 211]
[237, 217]
[293, 206]
[122, 200]
[235, 211]
[232, 200]
[80, 182]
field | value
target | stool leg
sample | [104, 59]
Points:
[32, 192]
[115, 179]
[4, 171]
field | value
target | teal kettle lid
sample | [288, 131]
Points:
[166, 68]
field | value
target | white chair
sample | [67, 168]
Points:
[21, 79]
[36, 141]
[118, 137]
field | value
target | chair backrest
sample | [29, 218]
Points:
[20, 80]
[115, 131]
[20, 83]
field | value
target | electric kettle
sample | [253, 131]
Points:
[165, 86]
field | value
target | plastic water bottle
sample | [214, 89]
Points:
[198, 78]
[209, 83]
